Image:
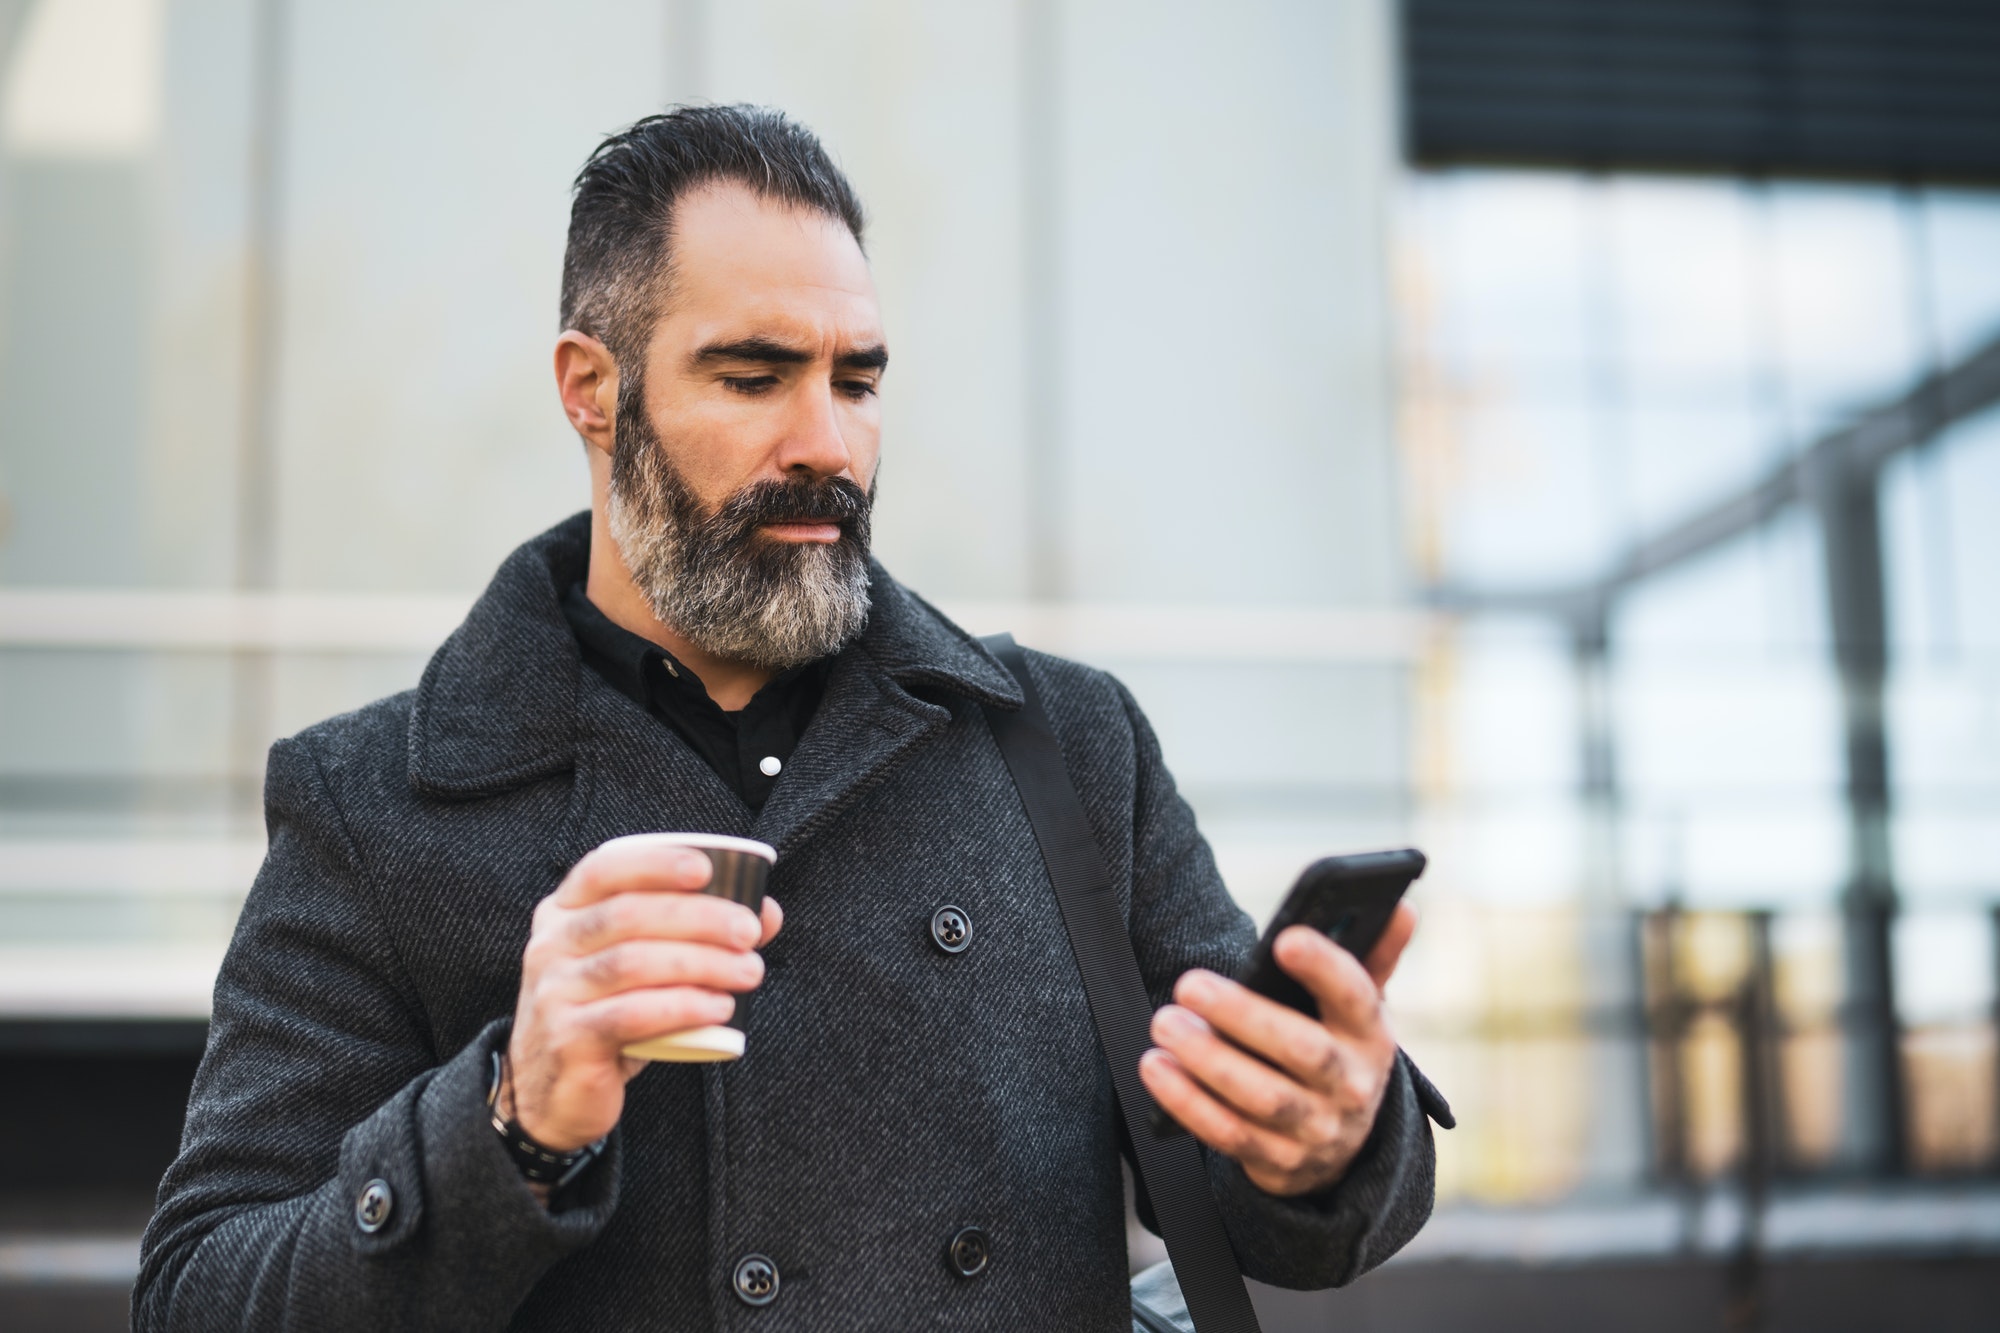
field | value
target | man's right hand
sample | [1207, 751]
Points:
[625, 949]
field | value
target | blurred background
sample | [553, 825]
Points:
[1558, 434]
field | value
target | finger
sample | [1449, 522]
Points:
[1300, 1046]
[650, 964]
[641, 1015]
[695, 917]
[1222, 1129]
[773, 921]
[1242, 1082]
[624, 865]
[1349, 1000]
[1388, 951]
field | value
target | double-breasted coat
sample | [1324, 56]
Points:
[892, 1093]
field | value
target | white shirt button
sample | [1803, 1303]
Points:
[770, 765]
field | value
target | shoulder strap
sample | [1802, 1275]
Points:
[1175, 1174]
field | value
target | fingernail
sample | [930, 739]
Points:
[721, 1006]
[1179, 1021]
[747, 929]
[1197, 986]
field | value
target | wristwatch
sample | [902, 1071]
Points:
[538, 1165]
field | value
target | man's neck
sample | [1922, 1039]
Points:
[612, 590]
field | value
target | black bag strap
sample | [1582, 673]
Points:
[1172, 1167]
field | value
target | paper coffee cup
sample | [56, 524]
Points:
[740, 868]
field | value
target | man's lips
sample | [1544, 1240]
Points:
[812, 531]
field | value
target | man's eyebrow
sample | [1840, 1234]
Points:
[864, 358]
[753, 349]
[772, 352]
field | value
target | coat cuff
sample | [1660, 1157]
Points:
[452, 1189]
[1330, 1238]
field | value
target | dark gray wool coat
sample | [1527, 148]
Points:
[892, 1093]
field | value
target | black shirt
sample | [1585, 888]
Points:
[747, 749]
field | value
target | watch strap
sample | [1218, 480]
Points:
[537, 1164]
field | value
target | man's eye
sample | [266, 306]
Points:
[751, 384]
[857, 388]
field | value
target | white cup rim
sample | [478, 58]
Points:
[719, 842]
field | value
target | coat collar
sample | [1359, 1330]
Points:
[497, 706]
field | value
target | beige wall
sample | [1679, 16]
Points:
[1131, 258]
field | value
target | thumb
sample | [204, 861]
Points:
[1388, 951]
[1347, 996]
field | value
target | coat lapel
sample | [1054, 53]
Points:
[870, 720]
[497, 704]
[639, 776]
[865, 723]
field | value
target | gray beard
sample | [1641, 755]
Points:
[717, 580]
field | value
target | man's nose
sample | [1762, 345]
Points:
[813, 439]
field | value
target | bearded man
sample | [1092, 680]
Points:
[414, 1111]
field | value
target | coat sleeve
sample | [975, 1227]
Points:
[319, 1078]
[1183, 917]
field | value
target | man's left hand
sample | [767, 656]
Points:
[1289, 1097]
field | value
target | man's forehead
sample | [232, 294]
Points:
[730, 243]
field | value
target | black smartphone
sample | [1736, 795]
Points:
[1349, 899]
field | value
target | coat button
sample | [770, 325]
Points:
[951, 928]
[969, 1252]
[756, 1280]
[372, 1209]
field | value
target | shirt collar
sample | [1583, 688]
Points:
[638, 667]
[619, 655]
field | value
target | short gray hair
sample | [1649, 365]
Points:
[621, 218]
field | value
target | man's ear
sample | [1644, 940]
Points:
[587, 380]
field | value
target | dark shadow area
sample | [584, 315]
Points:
[94, 1110]
[1830, 1295]
[1859, 1295]
[102, 1103]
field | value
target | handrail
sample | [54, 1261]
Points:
[1912, 418]
[176, 620]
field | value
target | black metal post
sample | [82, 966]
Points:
[1762, 1112]
[1763, 1083]
[1851, 530]
[1618, 1055]
[1994, 1020]
[1666, 1029]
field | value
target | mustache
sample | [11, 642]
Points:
[791, 500]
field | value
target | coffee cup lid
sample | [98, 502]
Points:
[720, 842]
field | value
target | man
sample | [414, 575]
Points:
[415, 1050]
